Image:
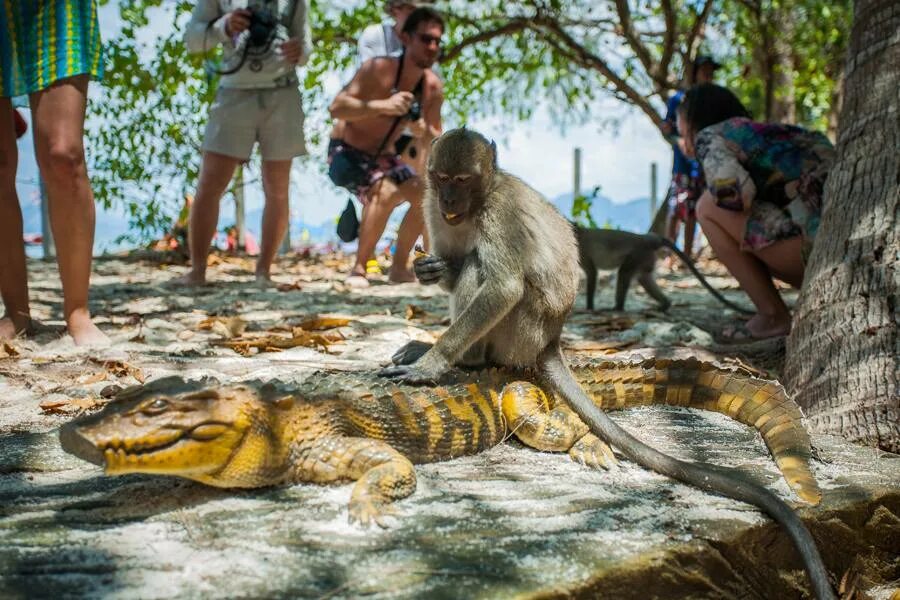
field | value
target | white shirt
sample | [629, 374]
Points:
[378, 40]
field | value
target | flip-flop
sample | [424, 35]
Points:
[356, 280]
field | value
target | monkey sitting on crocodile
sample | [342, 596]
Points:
[510, 263]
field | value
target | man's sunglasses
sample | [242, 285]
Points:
[429, 39]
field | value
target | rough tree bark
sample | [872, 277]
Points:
[842, 355]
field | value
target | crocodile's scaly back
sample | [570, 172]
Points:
[358, 427]
[430, 424]
[691, 383]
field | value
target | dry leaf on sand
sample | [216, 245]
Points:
[68, 406]
[121, 369]
[227, 327]
[317, 323]
[276, 343]
[7, 350]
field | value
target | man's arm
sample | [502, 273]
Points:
[351, 105]
[206, 29]
[300, 31]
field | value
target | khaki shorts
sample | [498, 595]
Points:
[238, 118]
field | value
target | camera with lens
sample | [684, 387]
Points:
[415, 110]
[262, 26]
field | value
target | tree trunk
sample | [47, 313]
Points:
[783, 107]
[842, 355]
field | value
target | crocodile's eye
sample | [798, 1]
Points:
[155, 407]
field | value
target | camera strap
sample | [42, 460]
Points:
[416, 91]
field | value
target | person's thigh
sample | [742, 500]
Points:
[281, 126]
[58, 118]
[231, 129]
[9, 153]
[734, 223]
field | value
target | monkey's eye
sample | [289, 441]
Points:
[442, 177]
[155, 407]
[462, 178]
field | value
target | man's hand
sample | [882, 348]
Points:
[398, 104]
[237, 21]
[292, 51]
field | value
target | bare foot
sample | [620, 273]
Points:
[401, 276]
[356, 280]
[189, 279]
[263, 280]
[84, 332]
[766, 326]
[7, 329]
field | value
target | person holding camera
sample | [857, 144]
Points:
[258, 101]
[386, 95]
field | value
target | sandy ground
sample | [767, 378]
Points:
[509, 521]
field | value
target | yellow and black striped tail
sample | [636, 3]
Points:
[736, 393]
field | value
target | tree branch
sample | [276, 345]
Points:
[511, 27]
[697, 29]
[631, 36]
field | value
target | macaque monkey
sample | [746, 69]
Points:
[510, 263]
[634, 255]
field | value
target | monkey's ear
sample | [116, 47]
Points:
[494, 150]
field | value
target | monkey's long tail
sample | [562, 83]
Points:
[561, 380]
[690, 265]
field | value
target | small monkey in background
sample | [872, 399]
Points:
[509, 260]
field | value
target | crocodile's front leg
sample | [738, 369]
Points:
[529, 416]
[382, 474]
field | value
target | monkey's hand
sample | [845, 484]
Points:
[410, 352]
[429, 268]
[427, 370]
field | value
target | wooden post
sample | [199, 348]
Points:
[577, 182]
[239, 213]
[47, 242]
[653, 196]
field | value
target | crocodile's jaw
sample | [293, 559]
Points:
[198, 452]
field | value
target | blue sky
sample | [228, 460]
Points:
[536, 150]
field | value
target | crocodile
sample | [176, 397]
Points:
[355, 427]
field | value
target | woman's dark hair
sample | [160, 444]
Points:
[707, 104]
[423, 14]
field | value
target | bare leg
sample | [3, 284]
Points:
[215, 174]
[410, 228]
[384, 197]
[58, 113]
[276, 176]
[690, 228]
[13, 275]
[725, 229]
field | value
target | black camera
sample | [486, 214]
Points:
[415, 110]
[262, 26]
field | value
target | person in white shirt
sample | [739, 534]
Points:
[258, 101]
[383, 39]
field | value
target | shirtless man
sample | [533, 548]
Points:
[375, 106]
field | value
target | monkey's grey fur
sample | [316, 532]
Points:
[634, 255]
[510, 263]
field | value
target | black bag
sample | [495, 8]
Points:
[349, 169]
[348, 223]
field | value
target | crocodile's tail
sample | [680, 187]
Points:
[736, 393]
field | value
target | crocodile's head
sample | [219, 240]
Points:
[218, 435]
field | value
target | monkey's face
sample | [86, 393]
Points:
[460, 170]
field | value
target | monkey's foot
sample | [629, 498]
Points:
[409, 374]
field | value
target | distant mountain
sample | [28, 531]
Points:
[629, 216]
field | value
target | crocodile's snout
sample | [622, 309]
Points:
[74, 442]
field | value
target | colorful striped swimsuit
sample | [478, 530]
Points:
[43, 41]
